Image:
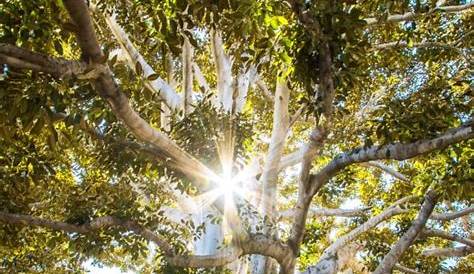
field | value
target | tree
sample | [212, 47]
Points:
[230, 136]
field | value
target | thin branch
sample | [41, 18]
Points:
[407, 239]
[158, 85]
[224, 71]
[387, 170]
[405, 269]
[327, 212]
[452, 215]
[263, 87]
[92, 226]
[460, 251]
[412, 15]
[329, 254]
[201, 79]
[445, 235]
[243, 84]
[187, 57]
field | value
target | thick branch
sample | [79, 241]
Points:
[108, 90]
[263, 87]
[397, 151]
[407, 239]
[277, 142]
[412, 16]
[452, 215]
[24, 59]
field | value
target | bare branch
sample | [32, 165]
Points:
[405, 269]
[158, 85]
[94, 225]
[328, 259]
[407, 239]
[224, 71]
[119, 103]
[452, 215]
[460, 251]
[24, 59]
[327, 212]
[412, 15]
[243, 84]
[277, 142]
[187, 76]
[397, 151]
[388, 170]
[201, 79]
[446, 235]
[263, 87]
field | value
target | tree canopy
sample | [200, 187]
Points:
[236, 136]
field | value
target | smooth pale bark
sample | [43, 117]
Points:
[201, 80]
[460, 251]
[269, 176]
[159, 86]
[165, 115]
[407, 239]
[24, 59]
[277, 142]
[328, 263]
[187, 57]
[448, 236]
[394, 18]
[224, 72]
[244, 81]
[452, 215]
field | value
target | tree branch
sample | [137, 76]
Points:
[406, 269]
[326, 212]
[407, 239]
[263, 87]
[452, 215]
[460, 251]
[387, 170]
[412, 15]
[329, 255]
[255, 244]
[397, 151]
[24, 59]
[224, 71]
[119, 103]
[446, 235]
[187, 57]
[158, 85]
